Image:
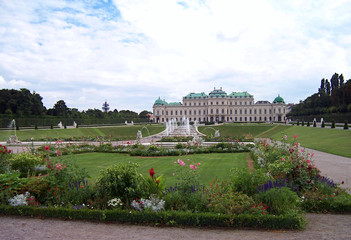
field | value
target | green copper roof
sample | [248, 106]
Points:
[278, 99]
[174, 104]
[196, 95]
[218, 93]
[159, 101]
[240, 95]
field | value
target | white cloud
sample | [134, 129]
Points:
[84, 55]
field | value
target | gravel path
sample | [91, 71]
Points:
[320, 227]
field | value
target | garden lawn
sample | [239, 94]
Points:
[129, 132]
[236, 130]
[212, 165]
[335, 141]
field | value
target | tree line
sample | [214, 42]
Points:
[22, 104]
[333, 97]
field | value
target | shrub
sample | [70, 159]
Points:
[333, 124]
[121, 181]
[346, 126]
[4, 155]
[314, 124]
[323, 124]
[38, 187]
[224, 199]
[194, 201]
[308, 124]
[303, 123]
[298, 123]
[279, 200]
[10, 185]
[64, 178]
[24, 162]
[244, 181]
[179, 146]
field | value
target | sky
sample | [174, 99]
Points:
[130, 52]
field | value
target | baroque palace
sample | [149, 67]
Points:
[218, 106]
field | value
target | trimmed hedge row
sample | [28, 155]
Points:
[169, 218]
[326, 206]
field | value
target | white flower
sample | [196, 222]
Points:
[19, 200]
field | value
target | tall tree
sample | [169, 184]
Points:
[60, 108]
[327, 87]
[322, 88]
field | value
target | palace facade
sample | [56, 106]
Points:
[218, 106]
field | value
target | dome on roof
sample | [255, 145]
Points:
[278, 99]
[159, 101]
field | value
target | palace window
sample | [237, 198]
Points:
[222, 111]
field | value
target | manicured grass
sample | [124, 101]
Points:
[234, 130]
[335, 141]
[212, 165]
[118, 131]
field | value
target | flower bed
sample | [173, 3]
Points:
[273, 196]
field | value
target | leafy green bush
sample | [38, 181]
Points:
[4, 155]
[224, 199]
[186, 201]
[279, 200]
[24, 162]
[63, 173]
[333, 124]
[122, 181]
[10, 185]
[244, 181]
[346, 126]
[179, 146]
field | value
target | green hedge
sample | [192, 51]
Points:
[327, 206]
[171, 218]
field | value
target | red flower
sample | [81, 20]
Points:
[47, 147]
[152, 172]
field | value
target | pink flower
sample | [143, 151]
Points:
[198, 164]
[191, 166]
[173, 174]
[283, 159]
[302, 150]
[47, 148]
[312, 155]
[285, 137]
[308, 161]
[295, 136]
[59, 141]
[181, 163]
